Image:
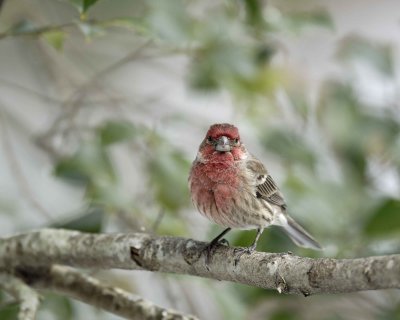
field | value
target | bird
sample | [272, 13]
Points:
[232, 188]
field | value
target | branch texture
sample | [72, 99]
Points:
[72, 283]
[28, 298]
[138, 251]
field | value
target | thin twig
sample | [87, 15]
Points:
[158, 220]
[37, 31]
[16, 169]
[71, 106]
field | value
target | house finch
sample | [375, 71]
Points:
[231, 187]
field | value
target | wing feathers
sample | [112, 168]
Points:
[269, 191]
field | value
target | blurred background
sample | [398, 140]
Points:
[103, 105]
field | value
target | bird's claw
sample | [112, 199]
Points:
[209, 248]
[241, 251]
[224, 242]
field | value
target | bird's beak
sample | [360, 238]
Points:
[223, 144]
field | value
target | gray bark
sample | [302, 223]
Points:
[26, 296]
[284, 272]
[77, 285]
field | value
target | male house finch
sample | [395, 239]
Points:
[231, 187]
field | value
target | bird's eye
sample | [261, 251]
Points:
[236, 141]
[209, 139]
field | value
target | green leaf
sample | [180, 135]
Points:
[172, 226]
[385, 219]
[289, 146]
[90, 164]
[379, 56]
[391, 312]
[170, 21]
[60, 307]
[83, 5]
[138, 25]
[106, 194]
[55, 39]
[72, 170]
[116, 131]
[265, 53]
[298, 20]
[284, 315]
[87, 4]
[91, 168]
[224, 62]
[254, 12]
[8, 311]
[167, 170]
[91, 221]
[295, 21]
[202, 76]
[354, 132]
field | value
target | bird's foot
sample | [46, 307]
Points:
[241, 251]
[224, 242]
[209, 249]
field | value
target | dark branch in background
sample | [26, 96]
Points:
[283, 272]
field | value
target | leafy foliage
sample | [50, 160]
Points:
[55, 38]
[330, 144]
[115, 132]
[290, 146]
[385, 219]
[165, 168]
[60, 307]
[83, 5]
[90, 165]
[379, 56]
[8, 311]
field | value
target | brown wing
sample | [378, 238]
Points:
[266, 187]
[269, 191]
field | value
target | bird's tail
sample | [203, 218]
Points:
[297, 233]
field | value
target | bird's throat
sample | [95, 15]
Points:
[222, 158]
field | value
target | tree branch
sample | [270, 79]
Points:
[138, 251]
[75, 284]
[28, 298]
[36, 31]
